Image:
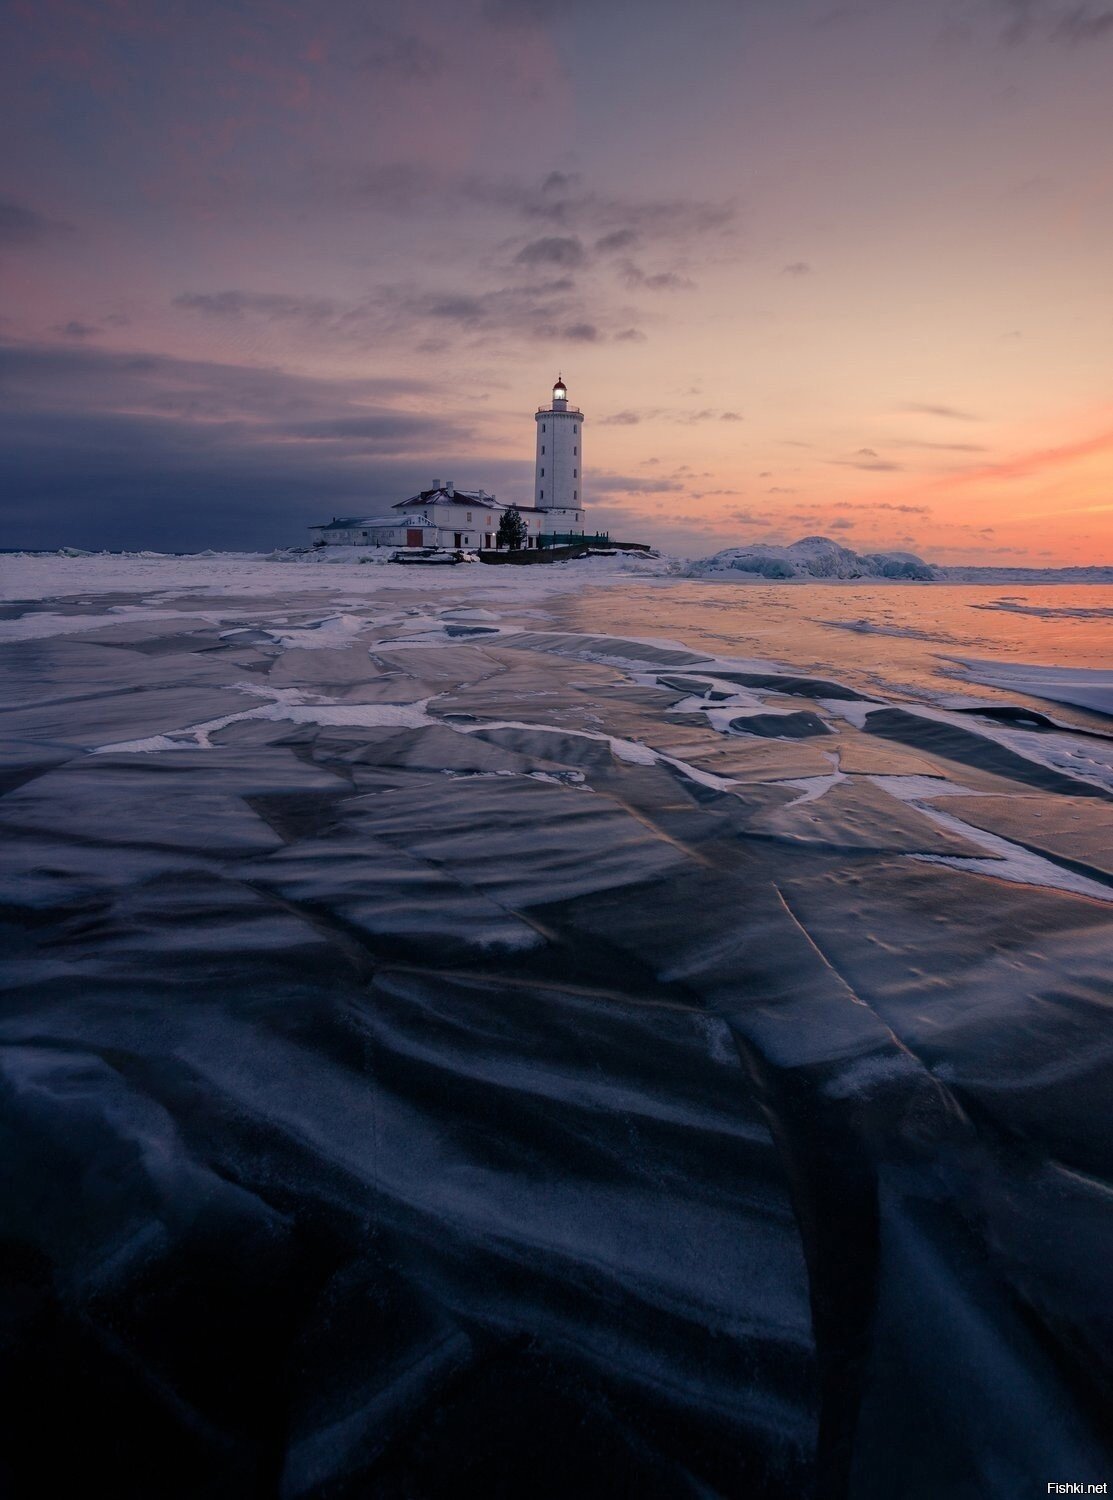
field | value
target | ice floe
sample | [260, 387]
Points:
[1084, 687]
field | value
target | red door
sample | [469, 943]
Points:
[413, 538]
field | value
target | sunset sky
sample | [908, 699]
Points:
[807, 267]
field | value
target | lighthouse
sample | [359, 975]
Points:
[558, 472]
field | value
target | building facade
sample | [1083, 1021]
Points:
[448, 517]
[443, 516]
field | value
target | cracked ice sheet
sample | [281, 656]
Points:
[378, 715]
[1047, 761]
[1070, 829]
[1004, 860]
[393, 1126]
[37, 625]
[320, 635]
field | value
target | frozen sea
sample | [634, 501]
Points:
[552, 1031]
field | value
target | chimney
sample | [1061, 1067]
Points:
[450, 488]
[436, 484]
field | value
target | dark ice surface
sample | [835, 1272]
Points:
[472, 1057]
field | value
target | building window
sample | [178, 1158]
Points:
[574, 450]
[542, 494]
[574, 495]
[574, 474]
[469, 517]
[542, 447]
[542, 473]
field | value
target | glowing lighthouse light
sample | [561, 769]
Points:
[560, 395]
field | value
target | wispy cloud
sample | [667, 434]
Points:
[564, 251]
[868, 461]
[565, 202]
[272, 306]
[1034, 461]
[654, 281]
[548, 310]
[938, 447]
[380, 49]
[950, 413]
[75, 329]
[604, 483]
[1073, 22]
[618, 239]
[676, 416]
[908, 510]
[22, 225]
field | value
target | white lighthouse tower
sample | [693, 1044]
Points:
[558, 473]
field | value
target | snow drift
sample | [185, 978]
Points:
[812, 557]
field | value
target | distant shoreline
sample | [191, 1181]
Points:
[1101, 574]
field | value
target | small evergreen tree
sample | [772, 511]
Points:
[512, 529]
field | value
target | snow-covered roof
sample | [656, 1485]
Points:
[355, 523]
[472, 499]
[441, 496]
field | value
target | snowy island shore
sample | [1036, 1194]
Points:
[485, 1026]
[812, 558]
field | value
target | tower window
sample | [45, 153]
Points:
[542, 427]
[542, 473]
[542, 447]
[574, 474]
[574, 448]
[542, 494]
[573, 497]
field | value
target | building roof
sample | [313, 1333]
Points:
[441, 496]
[355, 523]
[438, 495]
